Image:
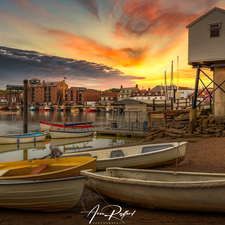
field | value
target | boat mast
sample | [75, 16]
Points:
[64, 111]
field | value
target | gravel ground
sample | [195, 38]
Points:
[202, 155]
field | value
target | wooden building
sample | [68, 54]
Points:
[206, 44]
[206, 37]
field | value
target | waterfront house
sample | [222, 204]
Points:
[125, 93]
[106, 98]
[45, 92]
[206, 37]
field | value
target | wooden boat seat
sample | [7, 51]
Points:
[155, 148]
[39, 169]
[116, 153]
[2, 172]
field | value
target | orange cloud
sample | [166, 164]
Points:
[88, 47]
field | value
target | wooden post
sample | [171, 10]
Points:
[149, 123]
[164, 118]
[192, 120]
[171, 103]
[64, 110]
[196, 88]
[25, 117]
[153, 105]
[165, 105]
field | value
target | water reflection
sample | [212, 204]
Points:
[13, 123]
[10, 153]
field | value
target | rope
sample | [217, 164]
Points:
[99, 194]
[82, 203]
[178, 151]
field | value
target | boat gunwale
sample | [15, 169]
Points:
[160, 184]
[38, 134]
[21, 182]
[46, 174]
[89, 131]
[130, 156]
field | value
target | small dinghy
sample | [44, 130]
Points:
[138, 156]
[186, 191]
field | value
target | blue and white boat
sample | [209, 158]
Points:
[22, 138]
[32, 108]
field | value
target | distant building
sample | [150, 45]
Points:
[34, 81]
[148, 95]
[125, 93]
[184, 92]
[106, 98]
[46, 92]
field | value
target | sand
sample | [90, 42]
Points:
[202, 155]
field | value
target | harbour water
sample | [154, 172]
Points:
[13, 123]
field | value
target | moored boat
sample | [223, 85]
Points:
[22, 138]
[69, 134]
[138, 156]
[45, 126]
[43, 195]
[32, 108]
[75, 110]
[90, 109]
[43, 169]
[188, 191]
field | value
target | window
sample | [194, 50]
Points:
[215, 29]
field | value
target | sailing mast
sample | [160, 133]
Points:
[64, 110]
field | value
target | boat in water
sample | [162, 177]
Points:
[136, 156]
[92, 109]
[79, 130]
[45, 126]
[32, 108]
[22, 138]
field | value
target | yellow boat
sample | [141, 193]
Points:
[75, 110]
[44, 169]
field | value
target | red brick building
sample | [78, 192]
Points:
[45, 92]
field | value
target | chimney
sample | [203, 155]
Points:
[43, 83]
[136, 85]
[148, 89]
[121, 86]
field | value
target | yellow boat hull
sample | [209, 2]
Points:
[45, 169]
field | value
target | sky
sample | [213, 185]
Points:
[98, 44]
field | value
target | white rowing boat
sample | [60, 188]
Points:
[186, 191]
[138, 156]
[22, 138]
[43, 195]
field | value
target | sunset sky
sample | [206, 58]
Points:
[98, 44]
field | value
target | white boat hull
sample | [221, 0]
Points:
[134, 158]
[153, 189]
[9, 139]
[69, 134]
[47, 196]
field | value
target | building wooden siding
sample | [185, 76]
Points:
[202, 48]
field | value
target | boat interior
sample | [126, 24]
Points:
[34, 167]
[161, 176]
[121, 152]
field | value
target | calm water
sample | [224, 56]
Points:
[14, 124]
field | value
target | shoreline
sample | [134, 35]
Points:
[202, 155]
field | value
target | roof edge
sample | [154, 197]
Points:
[204, 15]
